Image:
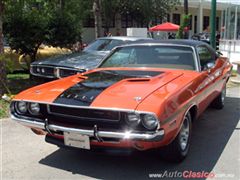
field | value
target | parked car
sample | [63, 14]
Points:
[143, 96]
[205, 37]
[70, 64]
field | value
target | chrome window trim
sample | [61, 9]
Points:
[196, 62]
[210, 50]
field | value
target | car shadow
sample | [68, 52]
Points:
[211, 133]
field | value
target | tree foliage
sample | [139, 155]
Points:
[66, 20]
[25, 28]
[143, 11]
[147, 10]
[29, 23]
[185, 21]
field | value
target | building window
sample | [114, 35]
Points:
[195, 24]
[126, 20]
[110, 23]
[139, 24]
[176, 19]
[89, 21]
[205, 22]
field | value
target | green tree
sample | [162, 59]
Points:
[3, 78]
[147, 10]
[26, 25]
[143, 11]
[65, 23]
[184, 23]
[29, 23]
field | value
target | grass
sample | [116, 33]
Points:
[20, 81]
[234, 73]
[4, 105]
[16, 83]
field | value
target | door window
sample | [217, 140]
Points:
[205, 56]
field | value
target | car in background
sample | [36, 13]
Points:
[70, 64]
[205, 37]
[143, 96]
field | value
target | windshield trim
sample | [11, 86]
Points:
[196, 62]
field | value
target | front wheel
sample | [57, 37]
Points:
[178, 149]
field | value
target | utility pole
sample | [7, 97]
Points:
[213, 23]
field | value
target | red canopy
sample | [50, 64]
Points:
[165, 27]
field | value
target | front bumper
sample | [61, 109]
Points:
[128, 135]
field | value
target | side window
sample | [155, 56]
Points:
[205, 56]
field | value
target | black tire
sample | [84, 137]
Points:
[176, 151]
[218, 102]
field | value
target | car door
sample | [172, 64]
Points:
[209, 64]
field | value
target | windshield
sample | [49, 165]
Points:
[104, 45]
[176, 57]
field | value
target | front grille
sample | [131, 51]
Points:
[43, 70]
[81, 113]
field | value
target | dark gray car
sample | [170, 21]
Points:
[70, 64]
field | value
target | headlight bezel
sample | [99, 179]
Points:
[133, 123]
[141, 123]
[31, 111]
[146, 119]
[16, 107]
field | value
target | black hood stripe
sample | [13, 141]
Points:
[84, 92]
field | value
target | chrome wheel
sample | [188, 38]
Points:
[184, 133]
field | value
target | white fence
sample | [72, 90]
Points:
[230, 49]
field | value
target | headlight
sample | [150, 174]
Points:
[150, 122]
[34, 108]
[21, 107]
[133, 119]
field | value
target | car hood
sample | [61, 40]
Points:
[123, 89]
[82, 60]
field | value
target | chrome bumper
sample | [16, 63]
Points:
[155, 136]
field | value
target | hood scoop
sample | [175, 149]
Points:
[138, 79]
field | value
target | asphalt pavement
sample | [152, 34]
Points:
[215, 149]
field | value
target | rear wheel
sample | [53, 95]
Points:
[178, 149]
[218, 102]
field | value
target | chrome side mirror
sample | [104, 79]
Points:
[210, 65]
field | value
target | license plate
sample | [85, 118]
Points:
[76, 140]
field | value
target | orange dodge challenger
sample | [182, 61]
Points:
[142, 96]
